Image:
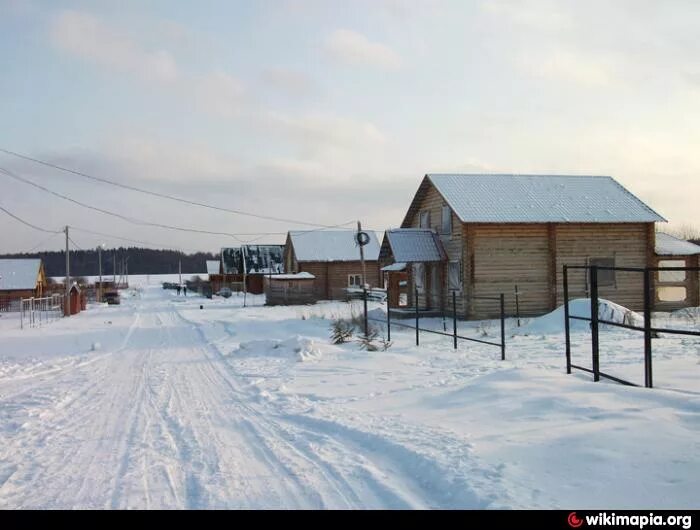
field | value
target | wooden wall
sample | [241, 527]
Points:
[332, 277]
[628, 244]
[506, 255]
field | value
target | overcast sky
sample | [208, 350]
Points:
[331, 111]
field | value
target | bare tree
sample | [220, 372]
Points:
[685, 231]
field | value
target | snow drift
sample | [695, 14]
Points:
[553, 322]
[300, 348]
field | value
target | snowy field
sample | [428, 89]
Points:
[157, 403]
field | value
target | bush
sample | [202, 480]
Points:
[341, 331]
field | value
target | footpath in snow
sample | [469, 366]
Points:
[160, 404]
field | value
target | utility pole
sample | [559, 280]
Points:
[364, 276]
[114, 268]
[99, 261]
[179, 270]
[362, 256]
[66, 303]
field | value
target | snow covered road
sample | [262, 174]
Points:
[181, 407]
[163, 422]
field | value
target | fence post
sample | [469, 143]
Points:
[417, 317]
[567, 329]
[594, 323]
[388, 313]
[364, 300]
[647, 329]
[503, 327]
[454, 317]
[517, 304]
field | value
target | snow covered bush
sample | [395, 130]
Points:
[341, 330]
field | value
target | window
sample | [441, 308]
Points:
[446, 220]
[425, 219]
[419, 276]
[605, 278]
[355, 280]
[672, 294]
[672, 276]
[454, 274]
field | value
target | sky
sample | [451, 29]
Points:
[329, 112]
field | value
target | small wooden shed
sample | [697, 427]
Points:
[75, 302]
[290, 289]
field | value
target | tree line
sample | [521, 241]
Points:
[138, 261]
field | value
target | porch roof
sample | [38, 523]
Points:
[414, 245]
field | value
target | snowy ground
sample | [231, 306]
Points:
[160, 404]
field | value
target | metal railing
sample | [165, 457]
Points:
[595, 321]
[454, 335]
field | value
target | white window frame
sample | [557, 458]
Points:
[352, 282]
[450, 286]
[424, 214]
[446, 216]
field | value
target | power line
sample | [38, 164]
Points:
[41, 244]
[161, 195]
[28, 223]
[114, 214]
[149, 223]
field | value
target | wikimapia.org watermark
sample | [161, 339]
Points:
[639, 521]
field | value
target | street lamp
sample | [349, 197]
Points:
[100, 248]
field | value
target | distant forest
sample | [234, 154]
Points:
[140, 261]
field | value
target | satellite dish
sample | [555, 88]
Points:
[362, 238]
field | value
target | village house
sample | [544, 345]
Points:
[493, 233]
[333, 258]
[21, 278]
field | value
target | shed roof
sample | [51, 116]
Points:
[296, 276]
[506, 198]
[213, 266]
[19, 274]
[331, 245]
[414, 245]
[668, 245]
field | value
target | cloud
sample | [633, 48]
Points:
[219, 93]
[542, 15]
[317, 131]
[576, 67]
[291, 82]
[356, 49]
[86, 36]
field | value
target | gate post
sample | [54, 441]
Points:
[594, 323]
[647, 329]
[417, 317]
[454, 318]
[567, 330]
[503, 327]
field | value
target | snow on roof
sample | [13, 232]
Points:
[541, 199]
[668, 245]
[332, 245]
[19, 274]
[415, 245]
[297, 276]
[213, 266]
[395, 267]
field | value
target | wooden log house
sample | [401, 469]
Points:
[503, 231]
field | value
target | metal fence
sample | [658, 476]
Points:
[453, 317]
[34, 312]
[596, 321]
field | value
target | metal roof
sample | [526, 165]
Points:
[415, 245]
[540, 199]
[19, 274]
[332, 245]
[668, 245]
[213, 266]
